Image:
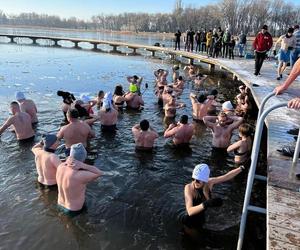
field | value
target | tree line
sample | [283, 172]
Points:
[246, 15]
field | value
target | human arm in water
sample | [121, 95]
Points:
[8, 123]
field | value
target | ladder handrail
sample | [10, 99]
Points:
[254, 157]
[263, 103]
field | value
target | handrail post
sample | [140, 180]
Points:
[254, 157]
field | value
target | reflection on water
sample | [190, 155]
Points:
[137, 202]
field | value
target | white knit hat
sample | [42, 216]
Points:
[201, 172]
[78, 152]
[227, 106]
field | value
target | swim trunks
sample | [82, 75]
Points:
[108, 128]
[69, 212]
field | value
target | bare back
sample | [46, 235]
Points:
[22, 125]
[108, 118]
[29, 107]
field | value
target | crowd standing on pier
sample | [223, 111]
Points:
[71, 175]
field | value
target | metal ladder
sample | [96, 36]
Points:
[254, 156]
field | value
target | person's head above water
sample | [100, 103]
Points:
[20, 96]
[201, 98]
[184, 119]
[49, 140]
[144, 124]
[14, 107]
[119, 90]
[214, 92]
[72, 114]
[222, 118]
[245, 130]
[101, 94]
[78, 152]
[201, 173]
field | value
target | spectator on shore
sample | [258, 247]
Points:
[177, 39]
[226, 40]
[208, 41]
[190, 40]
[295, 53]
[262, 44]
[242, 43]
[198, 41]
[288, 43]
[203, 40]
[231, 46]
[216, 45]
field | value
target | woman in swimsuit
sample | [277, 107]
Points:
[197, 196]
[242, 148]
[118, 97]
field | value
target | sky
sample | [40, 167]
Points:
[87, 8]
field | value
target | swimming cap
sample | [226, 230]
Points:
[133, 88]
[201, 172]
[227, 106]
[20, 96]
[85, 98]
[49, 140]
[78, 152]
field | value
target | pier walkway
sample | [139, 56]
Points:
[283, 190]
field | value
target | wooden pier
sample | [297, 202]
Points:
[283, 189]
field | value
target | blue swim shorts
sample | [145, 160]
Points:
[284, 56]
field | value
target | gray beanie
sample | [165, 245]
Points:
[78, 152]
[20, 95]
[49, 140]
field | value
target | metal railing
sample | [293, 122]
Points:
[254, 156]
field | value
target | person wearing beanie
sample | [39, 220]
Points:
[287, 44]
[262, 44]
[198, 198]
[27, 106]
[201, 105]
[75, 132]
[227, 108]
[72, 177]
[21, 123]
[46, 160]
[222, 127]
[144, 136]
[182, 132]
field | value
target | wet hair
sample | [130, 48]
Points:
[184, 119]
[14, 103]
[180, 78]
[290, 30]
[101, 92]
[245, 129]
[161, 87]
[144, 124]
[119, 90]
[135, 77]
[73, 113]
[201, 98]
[214, 92]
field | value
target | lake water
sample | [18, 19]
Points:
[137, 203]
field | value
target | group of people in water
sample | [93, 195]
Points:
[72, 175]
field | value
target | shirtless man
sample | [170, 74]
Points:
[175, 74]
[228, 109]
[144, 135]
[135, 80]
[201, 105]
[222, 128]
[108, 116]
[182, 132]
[161, 77]
[170, 107]
[46, 160]
[133, 100]
[21, 122]
[75, 132]
[191, 71]
[72, 177]
[27, 106]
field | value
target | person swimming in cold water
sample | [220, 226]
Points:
[118, 97]
[144, 135]
[222, 127]
[198, 197]
[28, 106]
[242, 148]
[133, 99]
[108, 115]
[201, 105]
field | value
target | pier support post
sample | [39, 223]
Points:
[33, 40]
[56, 43]
[211, 68]
[153, 53]
[134, 51]
[76, 45]
[12, 39]
[95, 46]
[234, 77]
